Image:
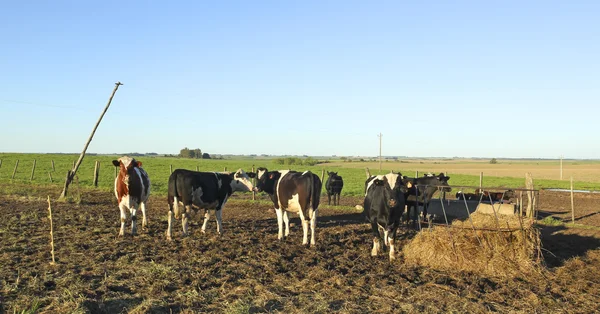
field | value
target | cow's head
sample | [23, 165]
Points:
[241, 181]
[441, 180]
[126, 164]
[333, 176]
[266, 180]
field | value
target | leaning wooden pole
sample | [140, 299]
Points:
[572, 203]
[51, 232]
[73, 171]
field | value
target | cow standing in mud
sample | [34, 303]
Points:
[202, 190]
[383, 207]
[333, 186]
[292, 191]
[132, 188]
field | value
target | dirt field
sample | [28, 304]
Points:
[247, 270]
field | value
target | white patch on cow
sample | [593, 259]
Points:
[385, 237]
[279, 213]
[375, 249]
[305, 172]
[219, 215]
[126, 161]
[283, 173]
[197, 196]
[294, 204]
[391, 179]
[392, 248]
[260, 173]
[286, 221]
[170, 228]
[206, 218]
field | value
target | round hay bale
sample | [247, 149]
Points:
[503, 247]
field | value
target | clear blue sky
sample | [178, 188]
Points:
[437, 78]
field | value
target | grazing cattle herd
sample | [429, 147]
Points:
[386, 197]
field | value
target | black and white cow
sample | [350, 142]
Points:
[333, 186]
[292, 191]
[132, 188]
[203, 190]
[383, 207]
[422, 190]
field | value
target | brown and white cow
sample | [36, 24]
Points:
[132, 188]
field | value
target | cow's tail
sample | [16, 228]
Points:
[316, 191]
[173, 194]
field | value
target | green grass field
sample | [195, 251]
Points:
[353, 173]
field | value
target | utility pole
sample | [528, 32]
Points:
[380, 136]
[71, 173]
[561, 172]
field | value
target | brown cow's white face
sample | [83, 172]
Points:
[241, 182]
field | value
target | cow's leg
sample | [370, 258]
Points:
[170, 228]
[279, 223]
[313, 226]
[219, 213]
[176, 208]
[206, 218]
[123, 209]
[329, 199]
[184, 219]
[385, 237]
[305, 231]
[391, 241]
[376, 236]
[133, 212]
[286, 221]
[144, 218]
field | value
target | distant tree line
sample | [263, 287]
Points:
[193, 153]
[296, 161]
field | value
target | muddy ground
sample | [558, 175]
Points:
[248, 270]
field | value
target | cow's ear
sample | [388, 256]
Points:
[139, 163]
[251, 174]
[379, 182]
[116, 163]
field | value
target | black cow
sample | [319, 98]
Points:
[383, 206]
[292, 191]
[421, 191]
[333, 186]
[203, 190]
[460, 195]
[495, 196]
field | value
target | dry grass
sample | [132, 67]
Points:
[479, 247]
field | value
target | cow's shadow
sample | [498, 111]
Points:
[559, 246]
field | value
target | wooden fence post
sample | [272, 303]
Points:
[50, 175]
[51, 232]
[530, 200]
[15, 171]
[225, 169]
[170, 168]
[417, 174]
[481, 180]
[32, 171]
[197, 168]
[572, 203]
[322, 174]
[368, 172]
[52, 161]
[253, 184]
[115, 172]
[96, 173]
[0, 163]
